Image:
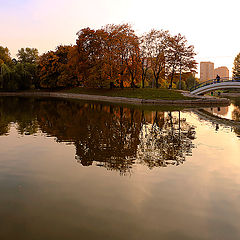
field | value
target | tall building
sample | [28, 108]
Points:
[222, 72]
[206, 71]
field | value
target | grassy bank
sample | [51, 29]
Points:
[142, 93]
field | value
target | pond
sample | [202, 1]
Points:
[82, 170]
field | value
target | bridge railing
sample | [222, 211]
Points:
[214, 81]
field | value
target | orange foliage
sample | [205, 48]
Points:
[55, 70]
[114, 54]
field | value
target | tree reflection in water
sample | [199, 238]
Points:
[113, 137]
[165, 141]
[236, 111]
[110, 137]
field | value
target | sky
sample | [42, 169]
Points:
[212, 26]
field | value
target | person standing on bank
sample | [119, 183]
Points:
[218, 78]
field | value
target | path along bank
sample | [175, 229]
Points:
[194, 101]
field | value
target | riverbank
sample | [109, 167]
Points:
[188, 100]
[139, 93]
[231, 95]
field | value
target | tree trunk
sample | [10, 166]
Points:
[133, 84]
[121, 80]
[132, 80]
[157, 82]
[121, 77]
[143, 78]
[156, 76]
[172, 78]
[144, 73]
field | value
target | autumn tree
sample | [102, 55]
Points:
[128, 51]
[116, 50]
[48, 72]
[109, 54]
[124, 51]
[115, 67]
[180, 56]
[91, 57]
[133, 66]
[144, 59]
[236, 67]
[53, 69]
[133, 58]
[156, 42]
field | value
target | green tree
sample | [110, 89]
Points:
[26, 68]
[17, 77]
[22, 76]
[236, 67]
[27, 55]
[181, 86]
[7, 78]
[191, 81]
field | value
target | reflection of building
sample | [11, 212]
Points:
[222, 72]
[223, 111]
[206, 71]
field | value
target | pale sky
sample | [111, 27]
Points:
[212, 26]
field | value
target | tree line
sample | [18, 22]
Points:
[113, 56]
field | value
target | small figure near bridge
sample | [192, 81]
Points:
[218, 78]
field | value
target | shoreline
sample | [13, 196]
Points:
[199, 101]
[233, 95]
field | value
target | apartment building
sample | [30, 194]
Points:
[206, 71]
[222, 72]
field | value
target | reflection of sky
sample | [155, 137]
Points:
[224, 112]
[231, 108]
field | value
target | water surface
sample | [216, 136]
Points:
[78, 170]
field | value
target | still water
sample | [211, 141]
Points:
[77, 170]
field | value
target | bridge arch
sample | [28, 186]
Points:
[213, 85]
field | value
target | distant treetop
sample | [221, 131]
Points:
[27, 55]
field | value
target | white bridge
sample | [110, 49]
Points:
[214, 84]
